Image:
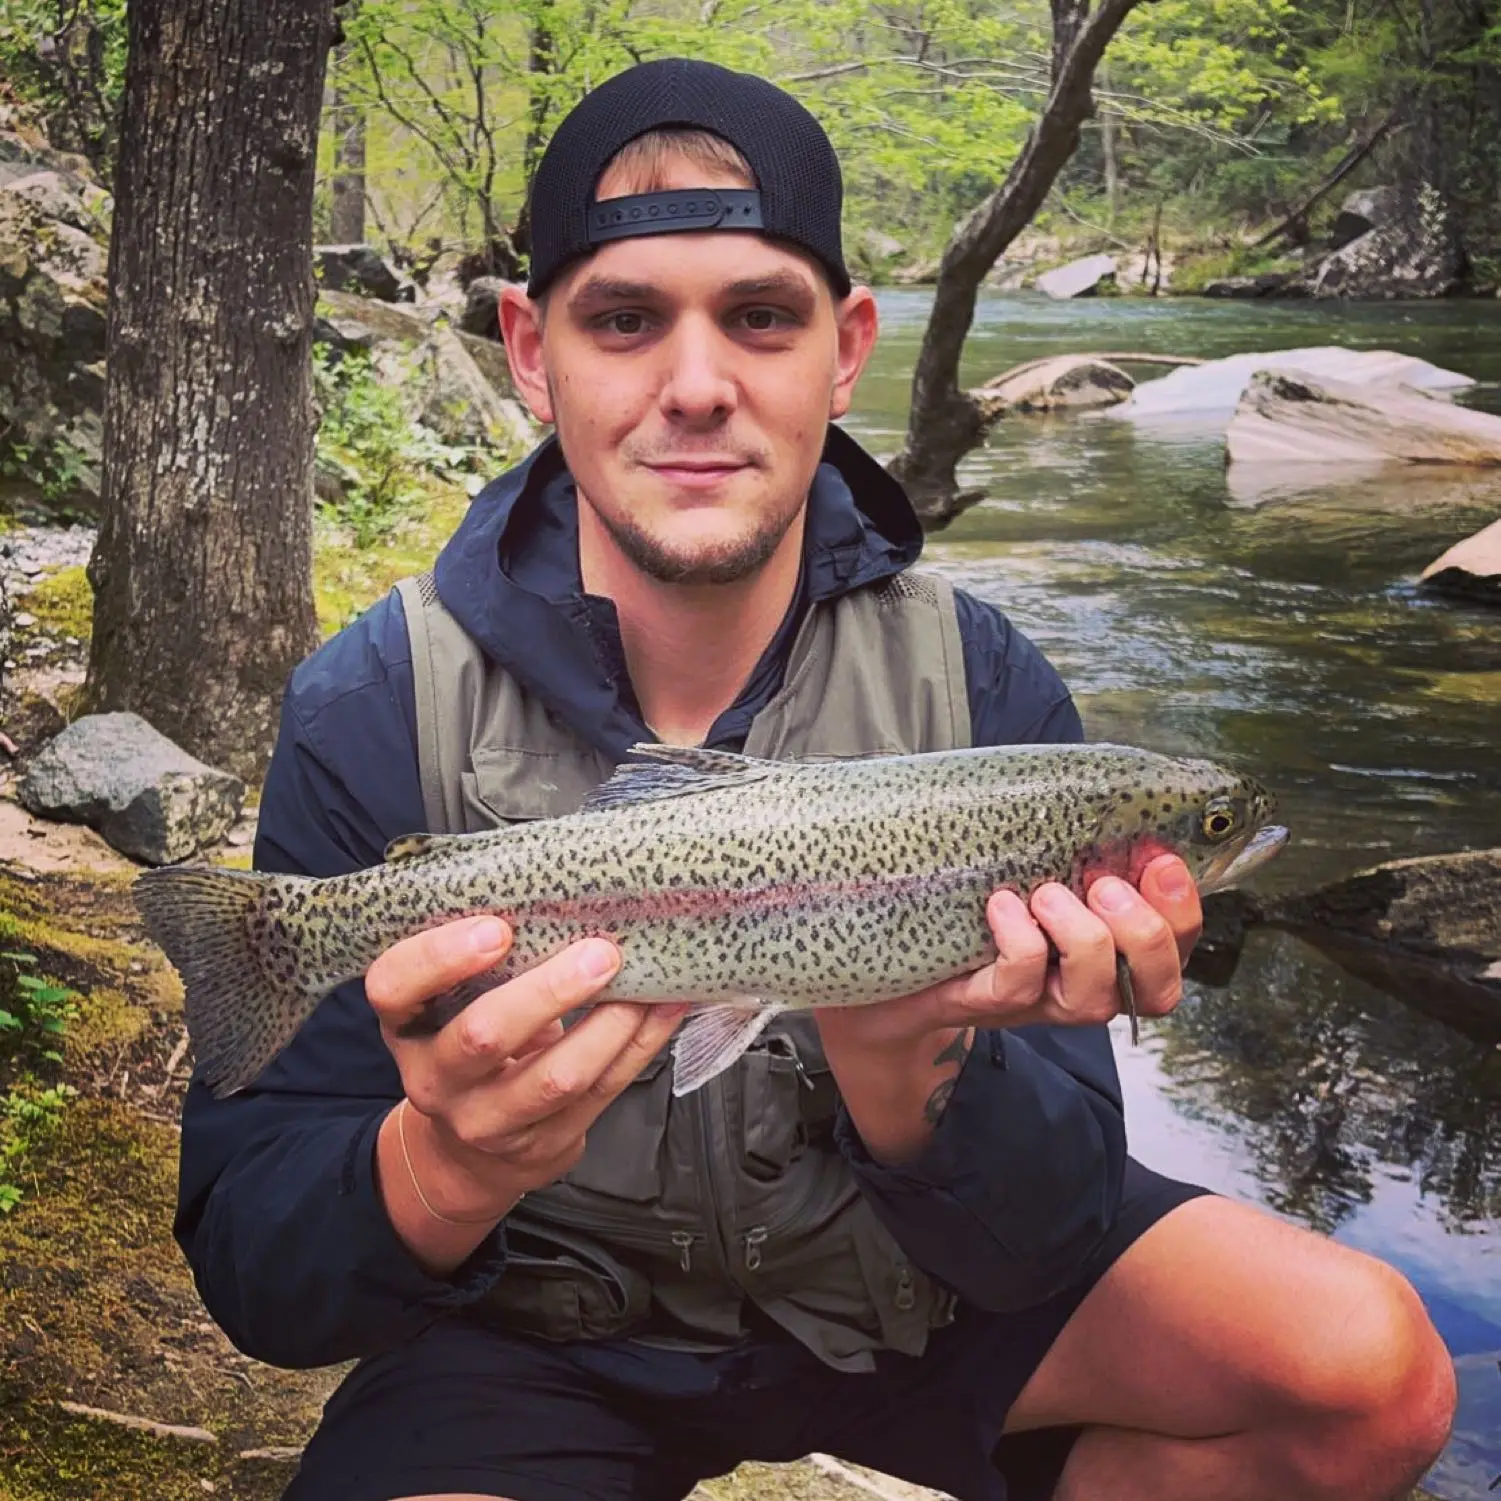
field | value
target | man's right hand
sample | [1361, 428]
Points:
[501, 1097]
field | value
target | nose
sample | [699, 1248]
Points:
[698, 388]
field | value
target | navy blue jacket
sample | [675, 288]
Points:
[278, 1211]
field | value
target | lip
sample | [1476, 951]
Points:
[697, 474]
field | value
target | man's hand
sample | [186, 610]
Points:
[897, 1061]
[501, 1097]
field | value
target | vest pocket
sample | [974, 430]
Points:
[788, 1098]
[561, 1286]
[623, 1150]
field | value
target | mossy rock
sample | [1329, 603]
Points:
[63, 603]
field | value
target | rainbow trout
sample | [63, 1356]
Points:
[751, 887]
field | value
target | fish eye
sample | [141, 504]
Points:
[1220, 820]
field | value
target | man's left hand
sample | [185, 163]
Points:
[896, 1061]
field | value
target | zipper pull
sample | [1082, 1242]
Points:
[683, 1240]
[906, 1289]
[797, 1063]
[755, 1238]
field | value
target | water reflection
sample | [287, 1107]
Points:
[1278, 626]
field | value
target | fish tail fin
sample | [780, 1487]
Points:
[245, 996]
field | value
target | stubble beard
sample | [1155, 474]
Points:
[729, 562]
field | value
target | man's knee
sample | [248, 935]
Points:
[1375, 1387]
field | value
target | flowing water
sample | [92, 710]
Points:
[1191, 613]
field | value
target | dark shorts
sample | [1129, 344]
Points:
[465, 1409]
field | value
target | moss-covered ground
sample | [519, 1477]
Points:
[96, 1303]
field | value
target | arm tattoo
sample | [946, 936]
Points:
[955, 1051]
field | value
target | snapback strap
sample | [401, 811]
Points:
[662, 213]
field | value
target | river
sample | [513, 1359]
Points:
[1288, 637]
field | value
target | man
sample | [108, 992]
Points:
[908, 1233]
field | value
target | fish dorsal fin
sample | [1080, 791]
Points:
[414, 846]
[709, 763]
[674, 771]
[712, 1039]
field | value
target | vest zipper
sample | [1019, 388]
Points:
[755, 1238]
[684, 1241]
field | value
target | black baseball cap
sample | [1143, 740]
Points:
[798, 194]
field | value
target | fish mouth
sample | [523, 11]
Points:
[1235, 864]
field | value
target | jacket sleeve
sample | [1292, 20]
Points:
[278, 1209]
[1023, 1175]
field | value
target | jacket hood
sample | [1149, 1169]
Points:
[510, 577]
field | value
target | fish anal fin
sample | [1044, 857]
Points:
[714, 1038]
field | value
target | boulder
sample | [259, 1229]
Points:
[1429, 926]
[353, 322]
[1361, 212]
[1417, 252]
[1081, 278]
[146, 796]
[52, 329]
[1287, 417]
[1265, 285]
[920, 273]
[1471, 569]
[1207, 395]
[362, 270]
[879, 250]
[462, 404]
[455, 383]
[1062, 381]
[481, 315]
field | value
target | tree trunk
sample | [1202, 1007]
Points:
[347, 184]
[945, 423]
[203, 569]
[1110, 152]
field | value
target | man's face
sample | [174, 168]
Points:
[691, 378]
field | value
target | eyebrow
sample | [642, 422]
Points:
[600, 290]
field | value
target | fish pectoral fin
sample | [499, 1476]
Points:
[674, 771]
[712, 1039]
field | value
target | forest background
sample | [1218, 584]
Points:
[1217, 116]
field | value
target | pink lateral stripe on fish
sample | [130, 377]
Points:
[750, 886]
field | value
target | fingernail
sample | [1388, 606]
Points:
[597, 960]
[487, 935]
[1112, 894]
[1173, 880]
[1050, 898]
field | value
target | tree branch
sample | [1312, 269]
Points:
[944, 422]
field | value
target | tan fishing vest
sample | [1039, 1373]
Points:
[682, 1211]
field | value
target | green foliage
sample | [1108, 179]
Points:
[67, 58]
[384, 462]
[29, 1115]
[54, 468]
[1221, 111]
[34, 1015]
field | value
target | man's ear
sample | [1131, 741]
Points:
[521, 328]
[857, 323]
